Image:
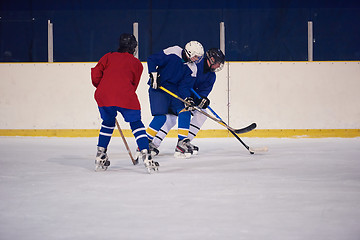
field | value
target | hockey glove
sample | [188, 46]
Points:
[190, 104]
[154, 80]
[202, 102]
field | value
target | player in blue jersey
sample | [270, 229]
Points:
[213, 62]
[175, 69]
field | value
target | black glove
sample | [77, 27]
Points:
[189, 105]
[202, 102]
[154, 80]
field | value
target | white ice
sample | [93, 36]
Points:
[300, 189]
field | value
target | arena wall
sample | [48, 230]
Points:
[283, 98]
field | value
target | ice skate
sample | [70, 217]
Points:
[183, 149]
[194, 148]
[137, 155]
[102, 160]
[148, 162]
[153, 150]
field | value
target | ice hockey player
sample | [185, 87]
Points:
[175, 69]
[116, 77]
[213, 62]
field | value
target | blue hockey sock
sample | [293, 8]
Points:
[183, 124]
[107, 128]
[155, 125]
[138, 130]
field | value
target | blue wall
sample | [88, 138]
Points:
[273, 30]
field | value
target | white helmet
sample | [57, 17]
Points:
[194, 51]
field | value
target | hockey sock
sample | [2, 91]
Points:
[193, 131]
[107, 128]
[183, 124]
[155, 125]
[164, 130]
[195, 124]
[138, 130]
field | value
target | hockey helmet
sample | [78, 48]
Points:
[216, 59]
[194, 51]
[127, 43]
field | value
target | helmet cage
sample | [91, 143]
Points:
[215, 56]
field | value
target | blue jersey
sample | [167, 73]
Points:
[205, 80]
[175, 75]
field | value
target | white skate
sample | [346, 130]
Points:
[183, 149]
[102, 160]
[148, 162]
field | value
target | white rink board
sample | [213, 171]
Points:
[276, 95]
[295, 95]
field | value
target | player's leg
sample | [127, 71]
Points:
[159, 105]
[155, 125]
[183, 149]
[133, 117]
[196, 123]
[164, 130]
[183, 125]
[108, 115]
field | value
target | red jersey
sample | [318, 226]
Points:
[116, 78]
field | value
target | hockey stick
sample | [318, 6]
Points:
[243, 130]
[251, 150]
[205, 113]
[125, 142]
[238, 131]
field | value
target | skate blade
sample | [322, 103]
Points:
[97, 166]
[182, 155]
[153, 154]
[152, 169]
[100, 168]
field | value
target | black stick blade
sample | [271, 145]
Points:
[246, 129]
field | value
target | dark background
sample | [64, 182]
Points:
[273, 30]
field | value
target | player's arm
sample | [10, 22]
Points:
[154, 61]
[204, 90]
[185, 85]
[97, 71]
[138, 69]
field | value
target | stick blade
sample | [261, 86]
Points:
[258, 150]
[246, 129]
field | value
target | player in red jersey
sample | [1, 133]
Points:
[116, 78]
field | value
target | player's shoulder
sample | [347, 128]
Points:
[106, 55]
[173, 50]
[124, 57]
[133, 59]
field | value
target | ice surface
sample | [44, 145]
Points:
[300, 189]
